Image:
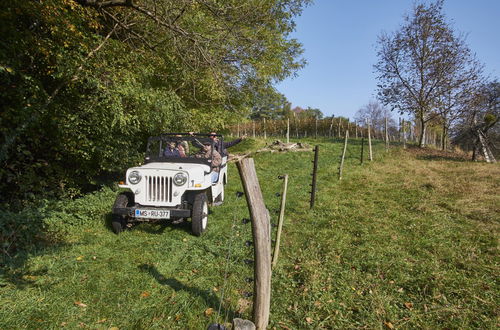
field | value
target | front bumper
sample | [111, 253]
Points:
[174, 213]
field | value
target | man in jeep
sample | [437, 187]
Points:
[220, 146]
[206, 152]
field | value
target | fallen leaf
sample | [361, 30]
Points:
[101, 321]
[243, 305]
[283, 326]
[177, 317]
[317, 303]
[215, 289]
[114, 328]
[184, 239]
[63, 324]
[79, 258]
[194, 271]
[209, 311]
[296, 267]
[400, 290]
[145, 294]
[80, 304]
[309, 320]
[408, 305]
[389, 325]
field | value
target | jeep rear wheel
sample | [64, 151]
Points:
[199, 217]
[118, 221]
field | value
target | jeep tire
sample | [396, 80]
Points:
[118, 221]
[199, 217]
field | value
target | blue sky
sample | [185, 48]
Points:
[339, 39]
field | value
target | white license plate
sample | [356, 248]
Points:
[152, 214]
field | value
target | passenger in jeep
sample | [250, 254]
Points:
[171, 150]
[220, 146]
[206, 152]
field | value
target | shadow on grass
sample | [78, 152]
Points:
[22, 236]
[441, 158]
[211, 300]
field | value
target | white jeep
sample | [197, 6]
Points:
[175, 182]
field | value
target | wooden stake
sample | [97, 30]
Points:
[253, 129]
[362, 148]
[343, 154]
[261, 241]
[386, 136]
[369, 141]
[404, 134]
[280, 221]
[288, 130]
[316, 129]
[315, 170]
[265, 133]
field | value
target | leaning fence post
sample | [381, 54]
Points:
[280, 221]
[265, 132]
[262, 242]
[315, 170]
[343, 155]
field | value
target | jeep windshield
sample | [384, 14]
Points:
[181, 148]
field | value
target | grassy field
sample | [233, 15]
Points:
[409, 240]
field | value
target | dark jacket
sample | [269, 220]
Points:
[171, 152]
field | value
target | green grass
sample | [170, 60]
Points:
[402, 241]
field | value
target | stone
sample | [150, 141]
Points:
[241, 324]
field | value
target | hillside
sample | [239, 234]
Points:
[409, 240]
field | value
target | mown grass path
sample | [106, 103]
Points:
[406, 241]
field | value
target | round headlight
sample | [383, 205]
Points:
[180, 179]
[134, 177]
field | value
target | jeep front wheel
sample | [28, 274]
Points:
[199, 217]
[118, 221]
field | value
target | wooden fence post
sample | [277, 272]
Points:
[280, 221]
[369, 141]
[316, 129]
[265, 133]
[331, 127]
[343, 155]
[262, 242]
[362, 149]
[404, 134]
[315, 170]
[386, 136]
[253, 128]
[288, 130]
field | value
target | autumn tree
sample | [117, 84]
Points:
[422, 63]
[84, 82]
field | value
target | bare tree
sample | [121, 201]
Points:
[421, 63]
[376, 114]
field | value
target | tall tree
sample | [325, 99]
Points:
[84, 82]
[422, 62]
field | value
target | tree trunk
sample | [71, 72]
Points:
[423, 129]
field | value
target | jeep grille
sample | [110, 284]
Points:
[158, 189]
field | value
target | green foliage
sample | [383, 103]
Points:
[83, 86]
